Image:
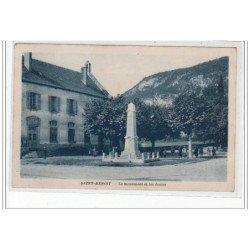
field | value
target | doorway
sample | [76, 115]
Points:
[33, 136]
[33, 124]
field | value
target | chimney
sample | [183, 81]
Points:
[85, 71]
[27, 60]
[84, 75]
[88, 66]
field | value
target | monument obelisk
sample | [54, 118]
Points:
[131, 150]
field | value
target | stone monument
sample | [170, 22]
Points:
[131, 150]
[131, 153]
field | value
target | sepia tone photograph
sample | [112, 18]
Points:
[124, 117]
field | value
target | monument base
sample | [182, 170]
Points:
[136, 161]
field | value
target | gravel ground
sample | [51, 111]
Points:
[170, 169]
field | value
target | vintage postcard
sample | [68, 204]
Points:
[124, 116]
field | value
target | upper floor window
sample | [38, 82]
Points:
[54, 104]
[33, 101]
[71, 107]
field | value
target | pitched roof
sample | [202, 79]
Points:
[47, 74]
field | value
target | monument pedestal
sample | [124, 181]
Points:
[131, 148]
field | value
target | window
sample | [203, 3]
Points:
[33, 101]
[53, 131]
[53, 135]
[54, 104]
[71, 135]
[71, 107]
[34, 137]
[86, 138]
[71, 132]
[53, 123]
[71, 125]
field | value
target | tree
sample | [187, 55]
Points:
[116, 126]
[204, 114]
[220, 114]
[174, 131]
[215, 124]
[94, 119]
[189, 115]
[106, 119]
[151, 122]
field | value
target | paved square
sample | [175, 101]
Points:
[84, 167]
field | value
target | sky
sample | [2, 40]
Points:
[119, 68]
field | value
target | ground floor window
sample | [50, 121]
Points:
[53, 132]
[53, 135]
[71, 132]
[86, 138]
[71, 135]
[32, 137]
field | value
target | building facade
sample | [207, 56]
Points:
[53, 102]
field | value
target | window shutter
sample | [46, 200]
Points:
[38, 102]
[28, 100]
[75, 107]
[50, 104]
[58, 104]
[68, 106]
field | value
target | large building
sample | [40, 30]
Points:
[53, 101]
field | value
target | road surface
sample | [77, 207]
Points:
[90, 168]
